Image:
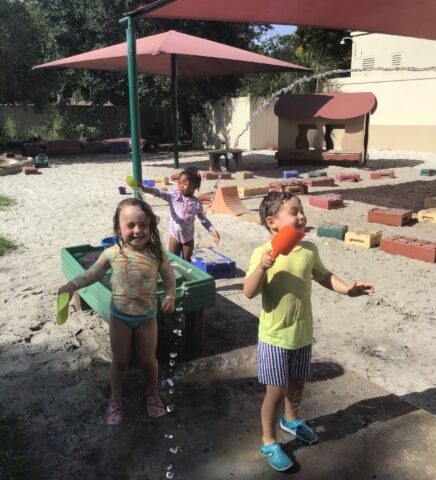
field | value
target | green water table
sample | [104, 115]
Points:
[199, 284]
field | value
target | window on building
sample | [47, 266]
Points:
[368, 62]
[397, 59]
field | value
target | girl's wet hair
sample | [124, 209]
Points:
[271, 204]
[194, 177]
[154, 244]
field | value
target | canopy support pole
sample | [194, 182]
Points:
[132, 73]
[174, 109]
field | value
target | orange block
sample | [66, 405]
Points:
[227, 200]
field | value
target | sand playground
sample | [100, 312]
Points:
[371, 354]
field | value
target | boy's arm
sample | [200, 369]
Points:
[355, 289]
[253, 283]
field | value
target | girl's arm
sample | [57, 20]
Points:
[355, 289]
[90, 276]
[169, 281]
[201, 215]
[156, 192]
[253, 284]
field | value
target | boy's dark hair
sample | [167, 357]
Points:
[194, 177]
[154, 244]
[271, 203]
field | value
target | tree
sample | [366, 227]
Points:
[20, 49]
[317, 49]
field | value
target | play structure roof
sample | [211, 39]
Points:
[196, 57]
[396, 17]
[328, 106]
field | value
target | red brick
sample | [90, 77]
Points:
[320, 181]
[409, 247]
[390, 216]
[296, 187]
[384, 174]
[328, 202]
[348, 177]
[29, 170]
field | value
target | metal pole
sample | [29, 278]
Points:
[174, 109]
[133, 101]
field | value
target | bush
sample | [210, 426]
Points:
[5, 201]
[10, 131]
[6, 245]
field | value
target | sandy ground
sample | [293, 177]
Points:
[57, 377]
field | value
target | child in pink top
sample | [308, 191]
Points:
[136, 260]
[184, 207]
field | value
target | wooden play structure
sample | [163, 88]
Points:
[323, 127]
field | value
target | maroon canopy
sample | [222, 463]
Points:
[412, 18]
[196, 57]
[329, 106]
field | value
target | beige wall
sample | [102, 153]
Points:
[226, 119]
[406, 114]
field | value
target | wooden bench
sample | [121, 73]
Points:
[214, 158]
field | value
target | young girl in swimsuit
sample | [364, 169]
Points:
[184, 207]
[136, 260]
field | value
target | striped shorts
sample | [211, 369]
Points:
[276, 366]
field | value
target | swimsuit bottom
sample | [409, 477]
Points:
[132, 321]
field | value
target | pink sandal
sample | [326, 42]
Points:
[155, 406]
[115, 412]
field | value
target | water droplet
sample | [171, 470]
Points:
[170, 382]
[171, 390]
[173, 354]
[169, 475]
[169, 467]
[168, 435]
[177, 332]
[172, 363]
[179, 309]
[170, 407]
[174, 450]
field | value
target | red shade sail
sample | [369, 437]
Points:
[196, 57]
[328, 106]
[412, 18]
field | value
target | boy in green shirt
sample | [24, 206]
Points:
[285, 326]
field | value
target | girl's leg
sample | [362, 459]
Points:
[293, 399]
[188, 248]
[121, 344]
[146, 343]
[270, 412]
[174, 246]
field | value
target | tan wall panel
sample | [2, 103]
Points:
[402, 137]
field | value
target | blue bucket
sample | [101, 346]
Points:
[108, 242]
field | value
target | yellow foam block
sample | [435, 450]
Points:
[428, 215]
[248, 190]
[430, 202]
[162, 180]
[364, 239]
[243, 175]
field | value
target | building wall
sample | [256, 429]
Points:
[224, 124]
[405, 118]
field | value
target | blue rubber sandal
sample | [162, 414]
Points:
[276, 457]
[300, 429]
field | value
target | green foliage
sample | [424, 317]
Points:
[6, 202]
[317, 49]
[10, 131]
[20, 49]
[88, 132]
[6, 246]
[12, 466]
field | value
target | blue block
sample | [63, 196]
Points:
[108, 242]
[291, 174]
[148, 183]
[214, 263]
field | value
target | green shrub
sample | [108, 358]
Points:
[5, 201]
[10, 131]
[6, 245]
